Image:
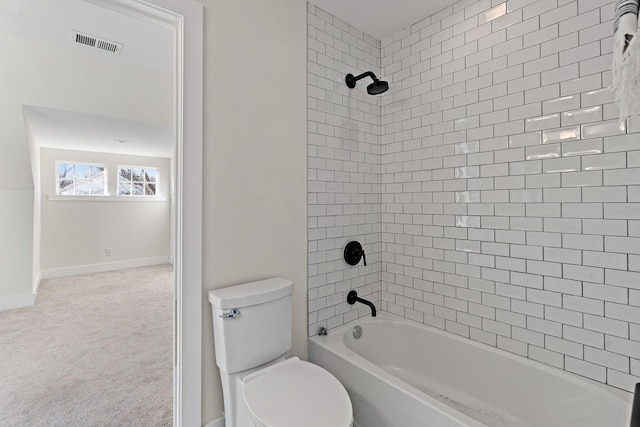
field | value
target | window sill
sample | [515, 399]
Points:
[145, 199]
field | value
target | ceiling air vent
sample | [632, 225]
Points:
[95, 42]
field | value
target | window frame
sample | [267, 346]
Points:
[119, 167]
[81, 163]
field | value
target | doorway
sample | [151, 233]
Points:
[185, 19]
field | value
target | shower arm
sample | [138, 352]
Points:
[351, 80]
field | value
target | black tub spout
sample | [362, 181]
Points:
[352, 297]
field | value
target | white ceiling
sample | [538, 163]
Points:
[68, 130]
[150, 46]
[145, 44]
[147, 48]
[381, 18]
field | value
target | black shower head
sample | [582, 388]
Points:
[375, 88]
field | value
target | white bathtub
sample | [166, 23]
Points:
[400, 373]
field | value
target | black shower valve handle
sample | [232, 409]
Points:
[364, 258]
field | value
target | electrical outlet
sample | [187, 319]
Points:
[108, 252]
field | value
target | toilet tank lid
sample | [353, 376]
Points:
[253, 293]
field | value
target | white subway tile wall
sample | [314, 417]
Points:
[507, 191]
[344, 170]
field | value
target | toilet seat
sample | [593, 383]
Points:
[295, 393]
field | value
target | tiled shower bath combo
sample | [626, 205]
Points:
[493, 188]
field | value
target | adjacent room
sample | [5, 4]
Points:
[88, 282]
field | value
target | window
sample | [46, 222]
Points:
[137, 181]
[81, 179]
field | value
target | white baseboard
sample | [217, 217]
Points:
[215, 423]
[54, 273]
[17, 301]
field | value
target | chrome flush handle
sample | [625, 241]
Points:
[231, 315]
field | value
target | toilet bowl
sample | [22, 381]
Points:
[295, 393]
[261, 386]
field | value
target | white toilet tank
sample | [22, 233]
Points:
[260, 332]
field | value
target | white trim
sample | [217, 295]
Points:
[106, 198]
[188, 243]
[17, 301]
[215, 423]
[77, 270]
[36, 285]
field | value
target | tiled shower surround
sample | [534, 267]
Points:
[508, 192]
[344, 170]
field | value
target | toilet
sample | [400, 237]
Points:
[262, 387]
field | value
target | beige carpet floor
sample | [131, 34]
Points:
[95, 350]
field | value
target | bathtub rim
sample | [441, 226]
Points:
[336, 334]
[396, 383]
